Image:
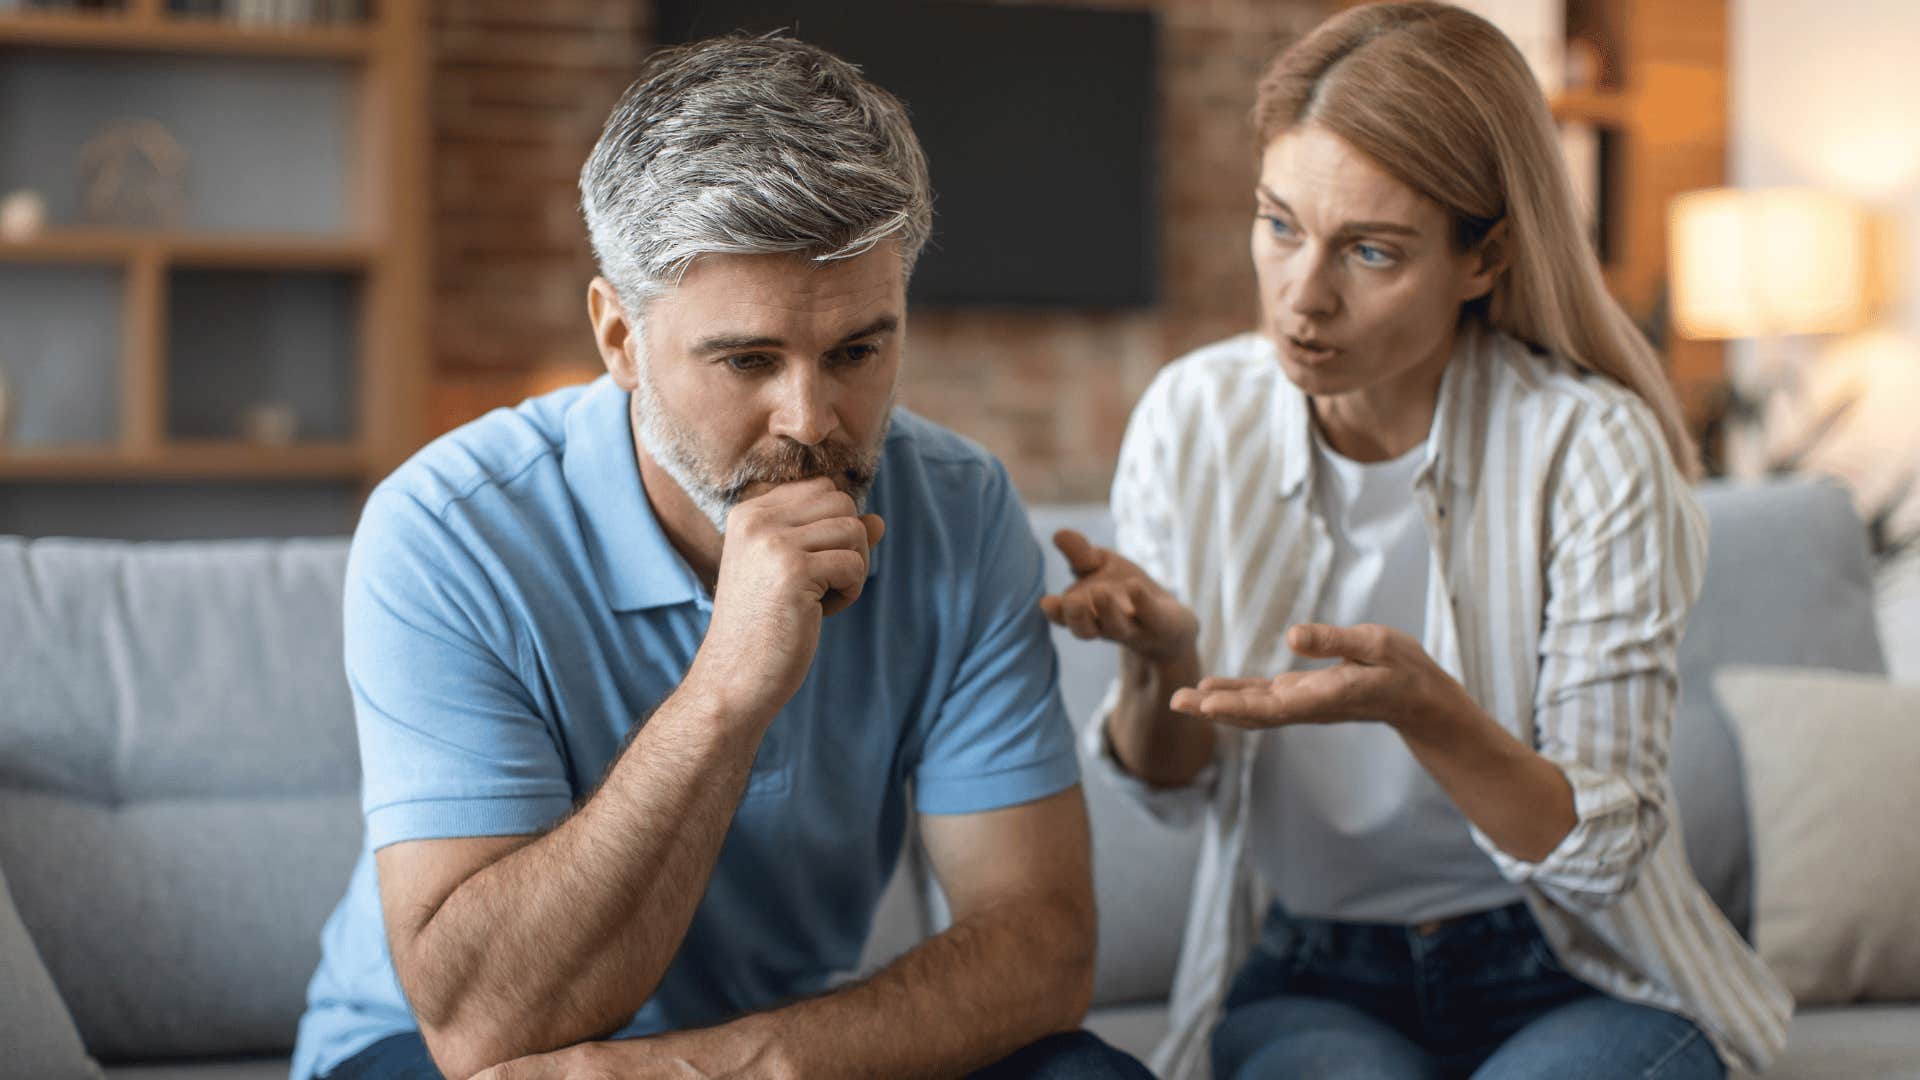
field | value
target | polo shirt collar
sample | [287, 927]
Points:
[637, 566]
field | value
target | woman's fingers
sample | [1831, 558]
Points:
[1083, 557]
[1298, 697]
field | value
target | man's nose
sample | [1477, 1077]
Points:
[804, 410]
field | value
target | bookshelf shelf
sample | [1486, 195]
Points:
[135, 31]
[264, 251]
[185, 461]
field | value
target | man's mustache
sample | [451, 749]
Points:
[787, 462]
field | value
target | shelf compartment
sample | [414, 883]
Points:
[60, 354]
[240, 340]
[268, 146]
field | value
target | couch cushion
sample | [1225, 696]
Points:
[1856, 1043]
[1829, 760]
[178, 782]
[1788, 583]
[35, 1026]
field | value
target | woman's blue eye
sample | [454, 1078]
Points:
[1373, 256]
[1276, 225]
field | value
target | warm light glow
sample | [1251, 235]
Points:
[1753, 263]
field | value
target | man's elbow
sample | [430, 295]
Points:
[461, 1054]
[1075, 938]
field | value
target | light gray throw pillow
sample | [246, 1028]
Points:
[1829, 759]
[35, 1028]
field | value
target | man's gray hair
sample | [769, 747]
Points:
[750, 145]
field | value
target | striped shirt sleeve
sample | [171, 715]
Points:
[1624, 554]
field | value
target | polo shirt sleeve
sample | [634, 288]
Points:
[450, 741]
[1000, 736]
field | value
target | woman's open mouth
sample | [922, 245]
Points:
[1309, 351]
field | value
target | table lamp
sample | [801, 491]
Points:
[1765, 264]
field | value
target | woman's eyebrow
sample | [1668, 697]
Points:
[1347, 228]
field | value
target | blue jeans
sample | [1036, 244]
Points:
[1075, 1056]
[1481, 996]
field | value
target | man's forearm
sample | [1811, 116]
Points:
[565, 938]
[989, 985]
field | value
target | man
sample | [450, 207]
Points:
[641, 692]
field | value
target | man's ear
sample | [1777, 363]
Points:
[613, 333]
[1490, 258]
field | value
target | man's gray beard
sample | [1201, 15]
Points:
[673, 450]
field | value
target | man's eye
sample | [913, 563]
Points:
[855, 355]
[749, 361]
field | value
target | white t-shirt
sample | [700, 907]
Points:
[1346, 823]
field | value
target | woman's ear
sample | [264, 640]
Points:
[1486, 262]
[613, 333]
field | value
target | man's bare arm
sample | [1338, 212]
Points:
[508, 947]
[1016, 966]
[564, 938]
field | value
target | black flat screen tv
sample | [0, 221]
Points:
[1039, 125]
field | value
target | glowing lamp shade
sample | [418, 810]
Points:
[1764, 262]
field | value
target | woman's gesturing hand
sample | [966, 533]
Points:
[1383, 675]
[1114, 599]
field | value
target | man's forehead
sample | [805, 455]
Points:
[774, 298]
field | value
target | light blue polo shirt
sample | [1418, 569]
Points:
[513, 608]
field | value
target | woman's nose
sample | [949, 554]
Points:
[1309, 292]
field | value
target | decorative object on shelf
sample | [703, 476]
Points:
[270, 423]
[134, 172]
[22, 215]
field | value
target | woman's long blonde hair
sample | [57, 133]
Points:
[1442, 101]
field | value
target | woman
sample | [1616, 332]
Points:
[1430, 535]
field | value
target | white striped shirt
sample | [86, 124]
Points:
[1567, 551]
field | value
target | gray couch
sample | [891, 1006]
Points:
[179, 811]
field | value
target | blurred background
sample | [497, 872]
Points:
[253, 253]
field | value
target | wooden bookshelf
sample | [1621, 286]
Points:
[381, 249]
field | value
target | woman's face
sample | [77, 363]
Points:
[1360, 287]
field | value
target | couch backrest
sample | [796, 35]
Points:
[1789, 581]
[179, 782]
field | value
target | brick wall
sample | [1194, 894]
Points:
[520, 91]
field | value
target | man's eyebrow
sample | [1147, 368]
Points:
[737, 342]
[1348, 228]
[885, 324]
